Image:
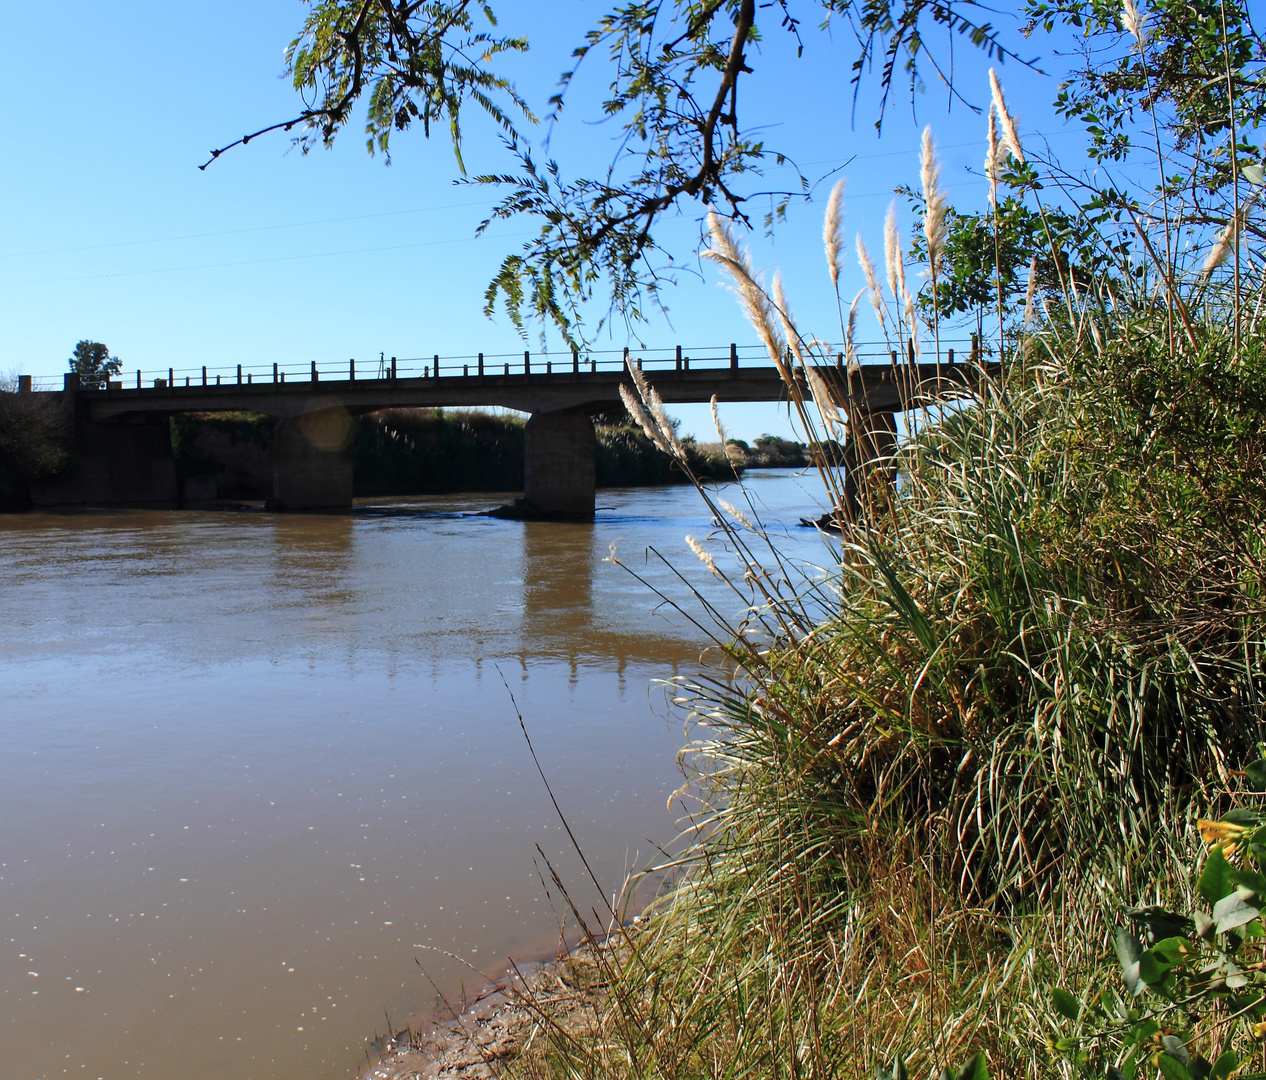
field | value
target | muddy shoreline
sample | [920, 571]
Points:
[509, 1017]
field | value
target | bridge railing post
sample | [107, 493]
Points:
[527, 362]
[24, 384]
[204, 375]
[733, 357]
[315, 377]
[274, 371]
[138, 378]
[481, 365]
[351, 370]
[393, 369]
[171, 381]
[677, 359]
[575, 361]
[435, 361]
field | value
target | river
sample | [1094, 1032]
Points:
[260, 772]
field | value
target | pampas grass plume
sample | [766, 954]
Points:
[933, 199]
[1010, 136]
[704, 557]
[872, 281]
[833, 232]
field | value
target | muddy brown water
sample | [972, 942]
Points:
[259, 773]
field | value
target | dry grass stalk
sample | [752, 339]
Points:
[833, 233]
[1010, 136]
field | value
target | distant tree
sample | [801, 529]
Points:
[93, 363]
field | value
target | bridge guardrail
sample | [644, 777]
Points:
[475, 365]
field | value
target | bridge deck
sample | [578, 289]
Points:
[884, 388]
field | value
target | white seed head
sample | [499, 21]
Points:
[1010, 136]
[1134, 21]
[833, 232]
[933, 199]
[1028, 296]
[716, 422]
[736, 514]
[822, 396]
[1221, 248]
[703, 555]
[747, 288]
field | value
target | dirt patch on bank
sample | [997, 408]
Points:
[513, 1018]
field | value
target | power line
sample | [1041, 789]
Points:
[257, 262]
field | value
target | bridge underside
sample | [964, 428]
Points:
[125, 452]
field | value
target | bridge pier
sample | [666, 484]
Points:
[558, 464]
[312, 461]
[870, 453]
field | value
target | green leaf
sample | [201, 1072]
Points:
[1215, 878]
[1065, 1004]
[1224, 1066]
[1254, 174]
[1233, 911]
[1177, 1049]
[1249, 880]
[1129, 953]
[1172, 1069]
[975, 1069]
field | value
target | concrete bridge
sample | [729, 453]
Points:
[124, 449]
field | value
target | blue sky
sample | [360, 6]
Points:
[111, 232]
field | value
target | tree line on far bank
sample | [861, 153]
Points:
[433, 451]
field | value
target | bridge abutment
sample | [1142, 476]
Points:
[558, 464]
[112, 463]
[312, 461]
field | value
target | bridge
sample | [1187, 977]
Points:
[124, 455]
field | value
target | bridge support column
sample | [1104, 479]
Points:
[312, 462]
[870, 455]
[558, 465]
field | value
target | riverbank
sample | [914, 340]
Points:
[505, 1022]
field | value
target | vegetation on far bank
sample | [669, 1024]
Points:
[434, 451]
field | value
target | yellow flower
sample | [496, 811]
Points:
[1216, 832]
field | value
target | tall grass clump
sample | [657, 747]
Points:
[931, 778]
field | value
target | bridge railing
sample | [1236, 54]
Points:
[487, 365]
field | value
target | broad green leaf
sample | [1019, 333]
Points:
[1215, 878]
[1233, 911]
[1176, 1048]
[1250, 881]
[1224, 1066]
[1254, 174]
[1173, 1069]
[1065, 1004]
[1129, 952]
